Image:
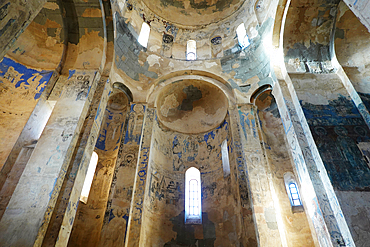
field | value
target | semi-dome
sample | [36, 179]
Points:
[191, 106]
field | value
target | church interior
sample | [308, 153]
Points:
[185, 123]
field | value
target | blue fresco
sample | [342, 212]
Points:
[111, 129]
[341, 111]
[71, 73]
[337, 128]
[131, 136]
[247, 123]
[365, 99]
[28, 75]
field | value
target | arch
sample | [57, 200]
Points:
[259, 91]
[193, 197]
[183, 75]
[122, 87]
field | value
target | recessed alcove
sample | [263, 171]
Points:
[172, 154]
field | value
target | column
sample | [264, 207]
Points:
[258, 171]
[63, 217]
[242, 178]
[118, 209]
[137, 202]
[28, 214]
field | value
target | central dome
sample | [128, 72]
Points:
[193, 12]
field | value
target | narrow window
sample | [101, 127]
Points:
[89, 178]
[191, 50]
[225, 158]
[293, 192]
[193, 203]
[144, 34]
[242, 36]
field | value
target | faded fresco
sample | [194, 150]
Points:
[338, 129]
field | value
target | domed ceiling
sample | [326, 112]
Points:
[193, 12]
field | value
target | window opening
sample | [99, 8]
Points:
[242, 36]
[144, 34]
[193, 198]
[293, 192]
[191, 50]
[193, 204]
[225, 158]
[89, 178]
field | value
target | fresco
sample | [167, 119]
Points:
[338, 129]
[24, 78]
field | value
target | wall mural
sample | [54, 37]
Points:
[24, 78]
[342, 138]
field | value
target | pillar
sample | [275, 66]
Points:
[118, 209]
[28, 214]
[250, 233]
[63, 216]
[137, 202]
[258, 171]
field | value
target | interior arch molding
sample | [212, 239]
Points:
[221, 84]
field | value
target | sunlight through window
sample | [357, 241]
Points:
[293, 192]
[191, 50]
[89, 178]
[144, 34]
[242, 36]
[225, 158]
[193, 203]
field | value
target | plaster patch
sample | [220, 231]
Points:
[50, 42]
[154, 48]
[169, 103]
[50, 5]
[210, 64]
[89, 12]
[315, 99]
[121, 5]
[253, 32]
[153, 59]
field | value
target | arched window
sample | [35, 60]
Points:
[191, 50]
[225, 158]
[293, 192]
[242, 36]
[89, 178]
[296, 201]
[193, 202]
[144, 34]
